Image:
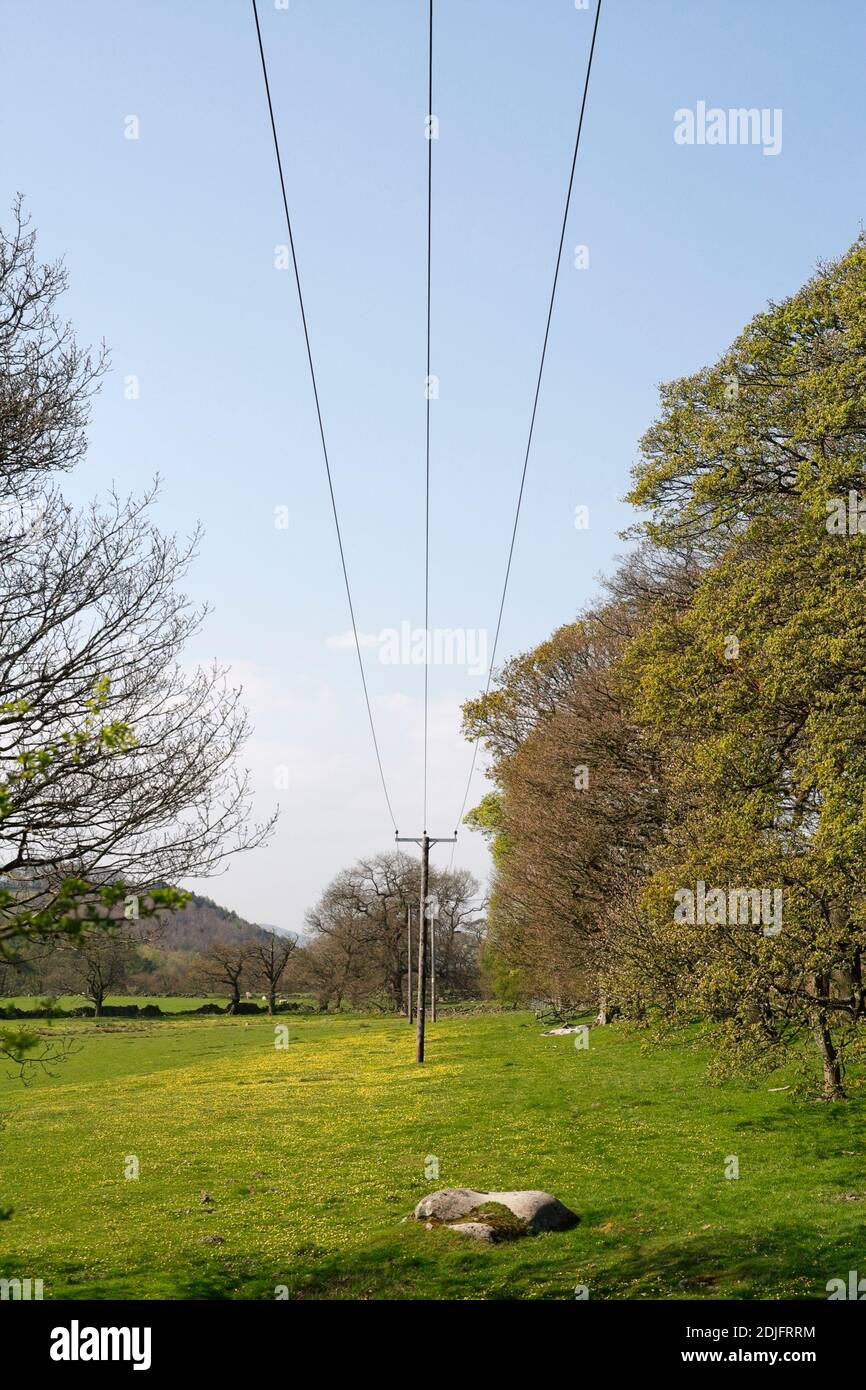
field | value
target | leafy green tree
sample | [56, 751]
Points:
[753, 685]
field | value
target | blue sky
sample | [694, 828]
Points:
[169, 241]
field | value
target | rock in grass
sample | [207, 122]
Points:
[478, 1230]
[539, 1211]
[507, 1214]
[449, 1204]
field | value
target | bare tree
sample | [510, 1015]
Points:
[362, 915]
[222, 969]
[269, 960]
[117, 763]
[332, 966]
[46, 379]
[170, 802]
[99, 963]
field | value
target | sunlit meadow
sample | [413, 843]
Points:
[270, 1172]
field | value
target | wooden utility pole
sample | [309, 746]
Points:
[422, 949]
[425, 842]
[433, 969]
[409, 1008]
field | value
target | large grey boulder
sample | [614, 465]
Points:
[458, 1208]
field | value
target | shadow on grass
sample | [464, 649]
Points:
[782, 1261]
[785, 1262]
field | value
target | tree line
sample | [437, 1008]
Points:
[354, 952]
[678, 810]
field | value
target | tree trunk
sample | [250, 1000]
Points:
[833, 1089]
[272, 1001]
[831, 1065]
[397, 991]
[601, 1020]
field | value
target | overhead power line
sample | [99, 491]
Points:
[537, 392]
[429, 133]
[319, 415]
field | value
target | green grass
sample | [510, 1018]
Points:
[313, 1154]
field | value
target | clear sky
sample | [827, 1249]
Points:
[169, 241]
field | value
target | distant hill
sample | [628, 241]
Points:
[201, 923]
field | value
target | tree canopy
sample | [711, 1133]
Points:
[716, 699]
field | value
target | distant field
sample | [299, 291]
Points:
[172, 1004]
[313, 1154]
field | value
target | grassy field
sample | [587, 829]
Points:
[313, 1154]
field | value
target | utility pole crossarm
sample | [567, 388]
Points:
[431, 839]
